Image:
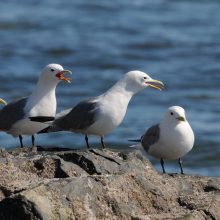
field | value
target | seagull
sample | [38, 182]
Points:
[14, 116]
[101, 115]
[170, 139]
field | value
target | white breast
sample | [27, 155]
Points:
[174, 141]
[107, 119]
[34, 107]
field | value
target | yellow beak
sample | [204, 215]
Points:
[156, 86]
[60, 75]
[3, 102]
[181, 118]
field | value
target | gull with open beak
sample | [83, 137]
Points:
[14, 116]
[170, 139]
[101, 115]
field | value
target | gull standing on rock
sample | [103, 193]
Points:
[101, 115]
[14, 116]
[170, 139]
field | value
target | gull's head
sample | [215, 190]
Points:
[54, 72]
[140, 80]
[175, 114]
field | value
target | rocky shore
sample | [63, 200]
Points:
[49, 184]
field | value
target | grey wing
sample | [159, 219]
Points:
[12, 113]
[80, 117]
[151, 136]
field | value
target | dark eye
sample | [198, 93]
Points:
[145, 77]
[52, 70]
[171, 113]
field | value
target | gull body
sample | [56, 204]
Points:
[170, 139]
[101, 115]
[14, 117]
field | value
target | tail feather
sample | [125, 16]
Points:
[41, 118]
[139, 140]
[45, 130]
[50, 129]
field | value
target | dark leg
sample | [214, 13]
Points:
[20, 137]
[86, 138]
[162, 162]
[32, 138]
[103, 143]
[180, 163]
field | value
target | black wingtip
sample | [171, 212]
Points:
[139, 140]
[42, 118]
[45, 130]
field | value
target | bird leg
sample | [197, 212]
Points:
[86, 138]
[20, 137]
[32, 138]
[180, 163]
[162, 164]
[103, 143]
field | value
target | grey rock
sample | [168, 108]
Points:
[66, 184]
[185, 187]
[3, 152]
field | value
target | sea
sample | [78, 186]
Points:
[174, 41]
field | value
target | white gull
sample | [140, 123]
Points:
[170, 139]
[101, 115]
[14, 116]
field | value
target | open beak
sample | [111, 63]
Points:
[181, 118]
[3, 102]
[60, 75]
[155, 86]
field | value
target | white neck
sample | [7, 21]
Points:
[43, 96]
[121, 92]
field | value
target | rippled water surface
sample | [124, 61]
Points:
[176, 42]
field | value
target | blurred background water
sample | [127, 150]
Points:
[176, 42]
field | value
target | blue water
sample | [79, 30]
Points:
[176, 42]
